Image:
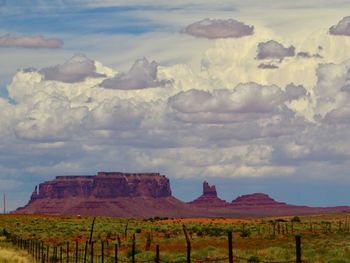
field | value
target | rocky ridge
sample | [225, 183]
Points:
[147, 195]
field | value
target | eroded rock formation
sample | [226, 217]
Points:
[147, 195]
[209, 198]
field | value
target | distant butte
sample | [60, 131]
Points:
[209, 198]
[148, 195]
[255, 200]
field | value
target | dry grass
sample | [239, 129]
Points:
[10, 255]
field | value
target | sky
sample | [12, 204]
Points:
[249, 95]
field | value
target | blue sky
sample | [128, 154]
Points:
[252, 96]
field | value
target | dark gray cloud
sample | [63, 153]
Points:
[274, 50]
[217, 28]
[346, 88]
[338, 115]
[305, 54]
[293, 92]
[342, 28]
[142, 75]
[76, 69]
[267, 66]
[30, 42]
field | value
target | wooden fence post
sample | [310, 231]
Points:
[42, 251]
[92, 252]
[36, 249]
[67, 252]
[85, 251]
[76, 251]
[115, 253]
[157, 260]
[133, 249]
[188, 242]
[102, 252]
[48, 253]
[53, 255]
[148, 241]
[230, 252]
[298, 249]
[92, 229]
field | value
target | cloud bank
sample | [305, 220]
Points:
[30, 42]
[228, 118]
[217, 28]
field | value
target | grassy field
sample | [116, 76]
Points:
[325, 238]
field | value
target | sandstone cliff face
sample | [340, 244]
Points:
[105, 185]
[209, 198]
[107, 193]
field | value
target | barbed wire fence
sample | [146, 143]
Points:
[68, 252]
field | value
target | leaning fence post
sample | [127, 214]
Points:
[188, 244]
[92, 252]
[298, 249]
[85, 251]
[157, 260]
[92, 229]
[230, 248]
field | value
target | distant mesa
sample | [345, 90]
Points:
[144, 195]
[107, 193]
[209, 198]
[105, 185]
[255, 201]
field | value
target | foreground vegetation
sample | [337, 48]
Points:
[9, 254]
[325, 238]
